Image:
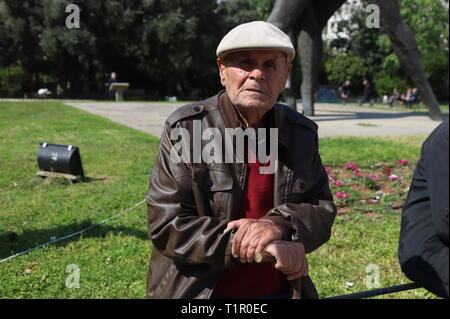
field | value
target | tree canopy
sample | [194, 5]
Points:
[167, 47]
[428, 19]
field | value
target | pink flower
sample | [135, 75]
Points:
[331, 177]
[351, 166]
[342, 195]
[328, 169]
[373, 177]
[393, 177]
[403, 162]
[357, 173]
[339, 182]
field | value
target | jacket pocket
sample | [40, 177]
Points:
[215, 185]
[219, 186]
[211, 179]
[219, 181]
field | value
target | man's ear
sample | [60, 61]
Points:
[289, 68]
[221, 66]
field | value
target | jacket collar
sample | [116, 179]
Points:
[230, 114]
[233, 119]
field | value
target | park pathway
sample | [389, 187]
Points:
[333, 120]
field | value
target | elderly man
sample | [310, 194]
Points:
[209, 219]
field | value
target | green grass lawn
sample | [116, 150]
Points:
[420, 108]
[113, 258]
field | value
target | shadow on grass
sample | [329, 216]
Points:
[58, 180]
[87, 179]
[348, 115]
[12, 243]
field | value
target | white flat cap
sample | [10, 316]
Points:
[256, 35]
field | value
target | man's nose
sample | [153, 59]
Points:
[257, 74]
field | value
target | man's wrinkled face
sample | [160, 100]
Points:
[254, 78]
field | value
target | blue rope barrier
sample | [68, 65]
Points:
[377, 292]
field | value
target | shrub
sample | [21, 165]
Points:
[11, 78]
[385, 84]
[345, 67]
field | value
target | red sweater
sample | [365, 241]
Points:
[253, 280]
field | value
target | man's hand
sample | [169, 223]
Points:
[252, 236]
[291, 258]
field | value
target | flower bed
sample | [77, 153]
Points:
[371, 189]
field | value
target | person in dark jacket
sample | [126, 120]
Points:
[209, 220]
[368, 93]
[112, 79]
[345, 91]
[423, 247]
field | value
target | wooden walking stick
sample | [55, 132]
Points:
[295, 284]
[264, 258]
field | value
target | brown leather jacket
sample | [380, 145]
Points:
[189, 205]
